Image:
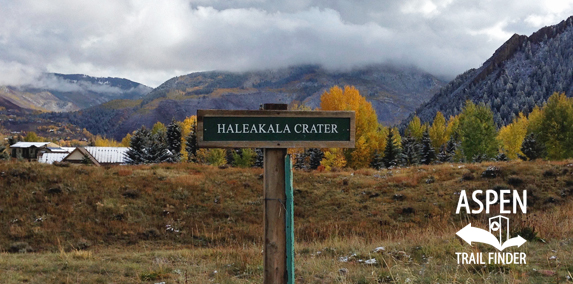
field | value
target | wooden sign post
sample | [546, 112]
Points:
[275, 129]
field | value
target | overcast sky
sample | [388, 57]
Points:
[153, 41]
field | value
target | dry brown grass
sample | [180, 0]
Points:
[216, 211]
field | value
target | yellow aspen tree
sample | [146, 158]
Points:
[397, 137]
[349, 98]
[511, 136]
[453, 127]
[379, 137]
[415, 128]
[158, 127]
[556, 127]
[333, 158]
[126, 140]
[104, 142]
[361, 154]
[186, 125]
[535, 117]
[438, 132]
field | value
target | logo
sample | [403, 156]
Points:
[498, 234]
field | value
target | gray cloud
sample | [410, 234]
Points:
[152, 41]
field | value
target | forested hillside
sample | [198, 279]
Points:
[394, 93]
[61, 92]
[522, 73]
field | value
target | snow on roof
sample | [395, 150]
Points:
[29, 144]
[108, 155]
[62, 149]
[49, 158]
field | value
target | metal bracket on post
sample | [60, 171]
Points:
[289, 221]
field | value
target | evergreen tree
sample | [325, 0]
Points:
[191, 144]
[259, 159]
[452, 146]
[478, 158]
[174, 139]
[392, 151]
[377, 161]
[443, 156]
[157, 151]
[12, 140]
[3, 152]
[138, 146]
[531, 148]
[230, 155]
[501, 157]
[315, 156]
[427, 154]
[410, 151]
[300, 160]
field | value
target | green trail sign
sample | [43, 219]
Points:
[275, 129]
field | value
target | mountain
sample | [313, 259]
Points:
[522, 73]
[394, 92]
[59, 92]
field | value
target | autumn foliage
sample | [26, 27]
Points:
[369, 133]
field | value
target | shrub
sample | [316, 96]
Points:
[216, 157]
[468, 176]
[245, 159]
[515, 181]
[20, 247]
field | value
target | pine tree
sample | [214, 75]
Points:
[300, 160]
[157, 151]
[443, 156]
[316, 156]
[531, 148]
[427, 154]
[377, 161]
[138, 146]
[230, 155]
[12, 140]
[3, 153]
[452, 146]
[259, 159]
[174, 139]
[410, 151]
[501, 157]
[191, 144]
[392, 151]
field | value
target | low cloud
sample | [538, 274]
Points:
[54, 83]
[152, 41]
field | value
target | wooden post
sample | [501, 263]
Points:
[274, 211]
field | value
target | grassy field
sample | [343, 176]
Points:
[187, 223]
